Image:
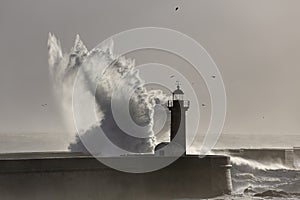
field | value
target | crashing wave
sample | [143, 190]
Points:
[255, 164]
[114, 71]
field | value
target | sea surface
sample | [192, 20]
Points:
[59, 141]
[254, 180]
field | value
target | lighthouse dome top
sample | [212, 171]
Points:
[178, 91]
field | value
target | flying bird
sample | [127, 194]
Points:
[172, 76]
[213, 76]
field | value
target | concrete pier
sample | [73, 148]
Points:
[297, 156]
[76, 176]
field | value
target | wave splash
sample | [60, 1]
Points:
[238, 161]
[268, 180]
[115, 72]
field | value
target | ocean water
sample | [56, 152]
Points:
[270, 181]
[283, 140]
[254, 180]
[59, 141]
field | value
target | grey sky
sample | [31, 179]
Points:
[256, 45]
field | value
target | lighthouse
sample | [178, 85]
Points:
[178, 107]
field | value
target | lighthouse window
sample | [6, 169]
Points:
[178, 97]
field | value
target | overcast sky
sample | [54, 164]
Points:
[256, 45]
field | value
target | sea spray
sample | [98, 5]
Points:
[257, 165]
[116, 72]
[251, 178]
[257, 178]
[268, 164]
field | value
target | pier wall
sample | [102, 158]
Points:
[75, 178]
[297, 156]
